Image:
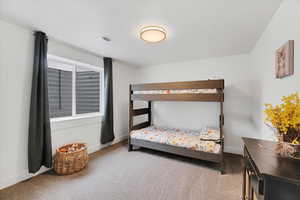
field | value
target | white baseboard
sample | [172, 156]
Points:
[24, 175]
[97, 147]
[9, 181]
[233, 150]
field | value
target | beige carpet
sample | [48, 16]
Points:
[115, 174]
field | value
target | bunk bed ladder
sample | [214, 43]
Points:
[136, 112]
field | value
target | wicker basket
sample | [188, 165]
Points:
[69, 162]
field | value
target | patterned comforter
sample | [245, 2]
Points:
[206, 140]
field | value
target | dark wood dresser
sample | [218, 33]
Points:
[266, 175]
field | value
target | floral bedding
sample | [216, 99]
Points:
[189, 139]
[186, 91]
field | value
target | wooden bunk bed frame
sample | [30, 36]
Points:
[201, 97]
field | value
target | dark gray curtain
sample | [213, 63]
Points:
[107, 128]
[39, 139]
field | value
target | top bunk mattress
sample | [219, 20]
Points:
[183, 91]
[206, 140]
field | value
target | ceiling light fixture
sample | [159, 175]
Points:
[153, 34]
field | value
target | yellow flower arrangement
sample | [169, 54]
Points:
[286, 116]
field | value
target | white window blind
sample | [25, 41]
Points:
[60, 92]
[73, 88]
[87, 91]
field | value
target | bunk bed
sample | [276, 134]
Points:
[206, 144]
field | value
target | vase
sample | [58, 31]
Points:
[291, 150]
[287, 149]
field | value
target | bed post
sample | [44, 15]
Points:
[150, 114]
[130, 118]
[222, 164]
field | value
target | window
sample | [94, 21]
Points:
[74, 88]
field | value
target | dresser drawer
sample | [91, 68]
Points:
[277, 189]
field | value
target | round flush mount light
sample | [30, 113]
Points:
[153, 34]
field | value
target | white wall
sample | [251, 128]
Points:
[67, 51]
[249, 80]
[284, 26]
[239, 99]
[16, 47]
[16, 57]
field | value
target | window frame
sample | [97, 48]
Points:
[64, 63]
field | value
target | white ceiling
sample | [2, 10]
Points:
[196, 28]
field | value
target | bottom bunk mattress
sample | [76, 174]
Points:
[207, 141]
